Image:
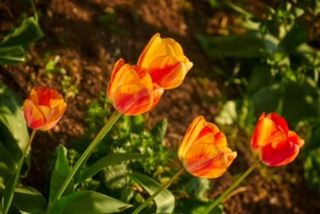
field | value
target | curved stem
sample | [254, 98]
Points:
[232, 187]
[165, 186]
[86, 154]
[9, 191]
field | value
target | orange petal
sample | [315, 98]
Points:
[191, 135]
[207, 161]
[264, 129]
[156, 94]
[132, 99]
[34, 117]
[168, 72]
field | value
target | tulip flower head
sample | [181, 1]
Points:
[165, 62]
[131, 89]
[204, 151]
[274, 142]
[43, 108]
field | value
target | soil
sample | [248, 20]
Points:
[89, 36]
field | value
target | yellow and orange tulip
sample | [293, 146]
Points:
[274, 142]
[131, 89]
[204, 151]
[43, 108]
[165, 62]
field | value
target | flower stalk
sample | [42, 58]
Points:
[9, 191]
[232, 187]
[165, 186]
[87, 153]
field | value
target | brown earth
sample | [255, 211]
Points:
[88, 48]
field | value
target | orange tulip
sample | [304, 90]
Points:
[165, 61]
[43, 108]
[275, 143]
[131, 89]
[204, 151]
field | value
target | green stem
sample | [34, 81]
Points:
[34, 10]
[232, 187]
[86, 154]
[9, 191]
[165, 186]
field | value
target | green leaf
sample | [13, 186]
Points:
[164, 200]
[85, 202]
[60, 173]
[249, 45]
[11, 55]
[28, 32]
[29, 200]
[159, 130]
[108, 160]
[13, 131]
[295, 37]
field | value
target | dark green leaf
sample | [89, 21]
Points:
[11, 55]
[108, 160]
[28, 32]
[295, 37]
[159, 130]
[85, 202]
[29, 200]
[60, 173]
[164, 200]
[239, 46]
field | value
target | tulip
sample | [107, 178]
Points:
[165, 62]
[131, 89]
[204, 151]
[43, 108]
[274, 142]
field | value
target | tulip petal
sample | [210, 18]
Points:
[191, 135]
[264, 129]
[156, 94]
[132, 99]
[284, 153]
[33, 115]
[168, 72]
[207, 160]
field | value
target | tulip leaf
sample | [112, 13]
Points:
[13, 131]
[29, 200]
[12, 47]
[106, 161]
[11, 55]
[164, 201]
[87, 202]
[249, 45]
[28, 32]
[60, 173]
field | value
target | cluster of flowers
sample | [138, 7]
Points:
[136, 89]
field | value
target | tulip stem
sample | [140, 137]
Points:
[165, 186]
[8, 193]
[87, 153]
[232, 187]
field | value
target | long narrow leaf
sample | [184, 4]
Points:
[108, 161]
[11, 55]
[60, 172]
[85, 202]
[28, 32]
[29, 200]
[164, 200]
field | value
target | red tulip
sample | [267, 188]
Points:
[204, 151]
[165, 61]
[43, 108]
[131, 89]
[275, 143]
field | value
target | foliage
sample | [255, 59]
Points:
[13, 46]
